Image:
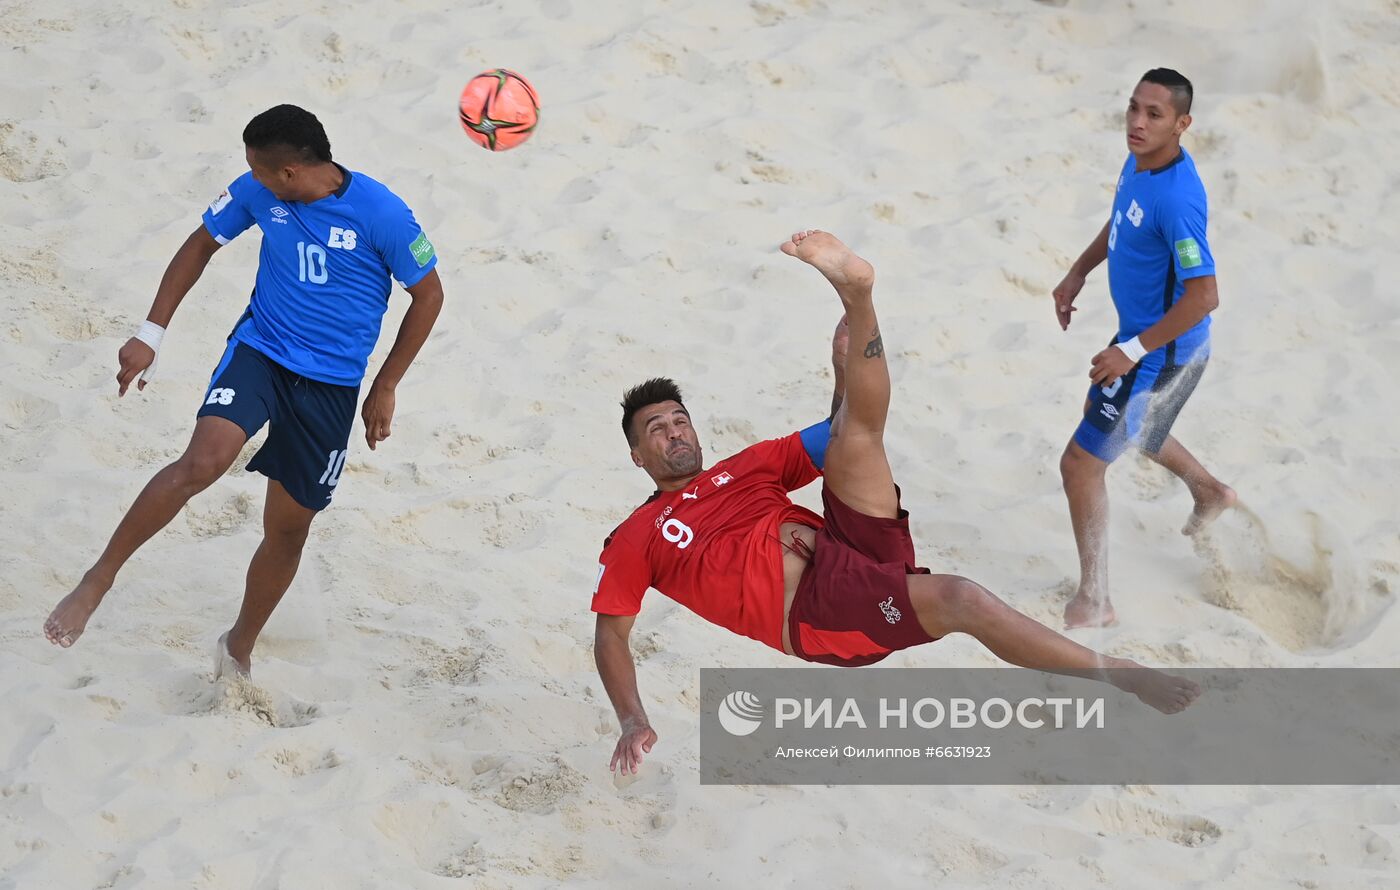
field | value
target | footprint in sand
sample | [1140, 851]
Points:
[1299, 604]
[1120, 817]
[530, 784]
[237, 695]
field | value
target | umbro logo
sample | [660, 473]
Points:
[1109, 411]
[279, 214]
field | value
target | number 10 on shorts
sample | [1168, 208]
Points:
[334, 465]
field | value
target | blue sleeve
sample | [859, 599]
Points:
[403, 244]
[814, 439]
[228, 216]
[1183, 222]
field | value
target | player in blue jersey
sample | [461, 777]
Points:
[332, 242]
[1161, 276]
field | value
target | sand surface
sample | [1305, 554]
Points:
[426, 712]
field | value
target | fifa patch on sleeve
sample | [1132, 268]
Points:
[1187, 251]
[422, 249]
[220, 202]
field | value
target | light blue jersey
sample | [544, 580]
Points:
[1156, 241]
[323, 272]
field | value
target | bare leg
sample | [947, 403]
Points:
[1087, 491]
[1212, 496]
[285, 527]
[947, 604]
[212, 450]
[856, 470]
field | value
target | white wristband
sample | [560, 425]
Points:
[1133, 350]
[151, 334]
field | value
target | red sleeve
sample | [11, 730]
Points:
[623, 578]
[789, 459]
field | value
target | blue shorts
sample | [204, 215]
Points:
[306, 446]
[1141, 406]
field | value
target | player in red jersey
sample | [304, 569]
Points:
[841, 588]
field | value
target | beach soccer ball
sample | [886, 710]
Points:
[499, 109]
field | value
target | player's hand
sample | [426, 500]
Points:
[378, 413]
[637, 737]
[840, 342]
[133, 358]
[1064, 294]
[1108, 366]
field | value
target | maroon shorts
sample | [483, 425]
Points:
[852, 604]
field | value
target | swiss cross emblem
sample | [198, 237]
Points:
[721, 479]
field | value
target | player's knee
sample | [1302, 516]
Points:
[970, 602]
[1075, 463]
[286, 536]
[197, 470]
[951, 603]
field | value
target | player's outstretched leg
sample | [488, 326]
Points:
[1212, 496]
[286, 524]
[212, 450]
[947, 604]
[856, 469]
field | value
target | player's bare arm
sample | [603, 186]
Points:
[378, 410]
[184, 270]
[612, 651]
[1069, 287]
[1199, 299]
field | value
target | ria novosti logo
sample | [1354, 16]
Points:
[740, 713]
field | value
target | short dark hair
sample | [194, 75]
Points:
[652, 392]
[291, 129]
[1182, 92]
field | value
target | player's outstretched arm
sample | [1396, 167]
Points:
[378, 410]
[1068, 289]
[137, 355]
[613, 653]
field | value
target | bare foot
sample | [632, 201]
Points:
[1164, 692]
[1085, 611]
[70, 617]
[1208, 508]
[225, 663]
[847, 272]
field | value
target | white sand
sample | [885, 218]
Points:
[426, 707]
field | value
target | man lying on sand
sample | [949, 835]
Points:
[841, 588]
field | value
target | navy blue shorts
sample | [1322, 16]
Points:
[1141, 406]
[310, 434]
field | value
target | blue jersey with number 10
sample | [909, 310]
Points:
[323, 271]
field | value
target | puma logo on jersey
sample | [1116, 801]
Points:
[691, 495]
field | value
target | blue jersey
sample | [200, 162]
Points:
[323, 271]
[1156, 241]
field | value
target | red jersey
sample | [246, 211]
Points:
[713, 547]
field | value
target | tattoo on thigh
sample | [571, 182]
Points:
[876, 347]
